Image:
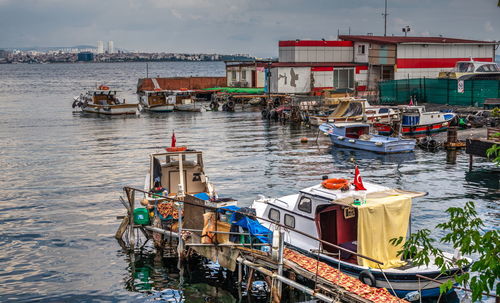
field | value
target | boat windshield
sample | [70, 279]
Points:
[465, 67]
[488, 68]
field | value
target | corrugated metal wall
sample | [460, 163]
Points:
[440, 91]
[316, 54]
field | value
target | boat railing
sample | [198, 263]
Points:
[130, 193]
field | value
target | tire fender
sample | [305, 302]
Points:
[367, 277]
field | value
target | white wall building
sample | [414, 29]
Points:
[100, 47]
[111, 47]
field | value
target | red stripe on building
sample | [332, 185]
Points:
[360, 68]
[322, 69]
[317, 89]
[315, 43]
[434, 62]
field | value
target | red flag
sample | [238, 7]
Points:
[411, 101]
[358, 182]
[173, 140]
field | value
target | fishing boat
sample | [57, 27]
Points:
[357, 135]
[184, 101]
[104, 101]
[355, 110]
[416, 122]
[156, 101]
[361, 222]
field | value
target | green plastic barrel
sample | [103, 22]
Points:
[141, 216]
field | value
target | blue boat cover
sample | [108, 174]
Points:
[203, 196]
[256, 229]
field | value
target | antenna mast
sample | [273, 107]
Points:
[385, 19]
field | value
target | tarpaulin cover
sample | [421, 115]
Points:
[380, 220]
[253, 226]
[242, 90]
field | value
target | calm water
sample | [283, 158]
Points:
[62, 174]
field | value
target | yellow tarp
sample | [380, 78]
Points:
[380, 220]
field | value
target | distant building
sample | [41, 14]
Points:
[246, 74]
[3, 54]
[85, 56]
[100, 47]
[111, 47]
[359, 62]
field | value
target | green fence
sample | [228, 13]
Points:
[440, 91]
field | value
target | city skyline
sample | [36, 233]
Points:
[239, 26]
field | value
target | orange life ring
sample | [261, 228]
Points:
[176, 149]
[335, 183]
[103, 87]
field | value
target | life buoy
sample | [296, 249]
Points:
[367, 278]
[103, 87]
[176, 149]
[335, 183]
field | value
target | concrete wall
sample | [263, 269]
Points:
[293, 80]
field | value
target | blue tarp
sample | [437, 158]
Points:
[253, 226]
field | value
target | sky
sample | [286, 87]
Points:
[233, 26]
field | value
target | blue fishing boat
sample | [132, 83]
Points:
[357, 135]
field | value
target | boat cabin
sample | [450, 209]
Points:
[333, 216]
[102, 97]
[351, 130]
[180, 98]
[165, 171]
[154, 98]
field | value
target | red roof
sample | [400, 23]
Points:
[316, 64]
[403, 39]
[325, 43]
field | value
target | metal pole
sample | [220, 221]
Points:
[385, 19]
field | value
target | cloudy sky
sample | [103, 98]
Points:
[233, 26]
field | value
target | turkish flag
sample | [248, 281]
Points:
[358, 182]
[173, 140]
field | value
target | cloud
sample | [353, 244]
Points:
[488, 27]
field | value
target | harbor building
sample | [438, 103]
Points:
[358, 63]
[246, 74]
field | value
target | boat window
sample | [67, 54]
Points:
[274, 215]
[305, 204]
[289, 220]
[383, 111]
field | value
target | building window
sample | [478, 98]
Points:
[233, 75]
[361, 49]
[274, 215]
[243, 75]
[305, 204]
[289, 220]
[343, 78]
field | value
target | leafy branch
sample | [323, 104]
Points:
[465, 232]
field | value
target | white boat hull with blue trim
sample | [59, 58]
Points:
[356, 135]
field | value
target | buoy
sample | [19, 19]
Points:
[304, 140]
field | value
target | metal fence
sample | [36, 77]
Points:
[439, 91]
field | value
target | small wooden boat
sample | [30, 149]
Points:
[104, 101]
[416, 122]
[362, 223]
[156, 101]
[184, 101]
[357, 135]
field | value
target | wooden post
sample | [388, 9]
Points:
[281, 249]
[471, 160]
[131, 201]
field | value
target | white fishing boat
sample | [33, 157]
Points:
[156, 101]
[104, 101]
[362, 223]
[473, 70]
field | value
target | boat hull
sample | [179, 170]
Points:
[415, 130]
[119, 109]
[159, 108]
[188, 107]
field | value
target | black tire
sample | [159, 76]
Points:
[367, 277]
[230, 106]
[214, 105]
[224, 107]
[265, 114]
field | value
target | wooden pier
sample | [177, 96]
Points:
[478, 146]
[278, 264]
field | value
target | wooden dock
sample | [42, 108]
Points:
[278, 264]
